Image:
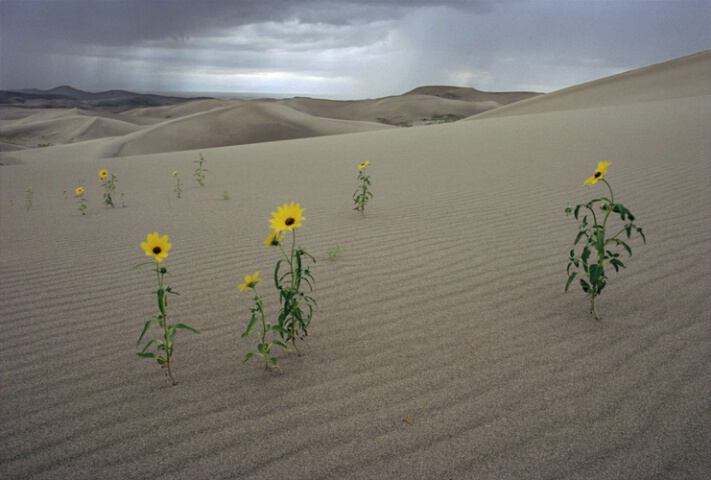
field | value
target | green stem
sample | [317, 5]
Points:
[260, 307]
[617, 234]
[592, 306]
[164, 313]
[610, 206]
[290, 260]
[601, 250]
[363, 199]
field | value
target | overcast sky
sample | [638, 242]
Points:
[339, 48]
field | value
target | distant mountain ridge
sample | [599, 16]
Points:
[70, 97]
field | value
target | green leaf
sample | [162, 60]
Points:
[278, 329]
[625, 246]
[145, 329]
[250, 326]
[579, 236]
[584, 285]
[248, 356]
[639, 230]
[161, 301]
[281, 344]
[263, 348]
[150, 342]
[146, 354]
[585, 255]
[600, 240]
[617, 264]
[629, 215]
[570, 279]
[185, 327]
[276, 272]
[596, 272]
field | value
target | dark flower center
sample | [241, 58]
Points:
[289, 221]
[597, 174]
[156, 250]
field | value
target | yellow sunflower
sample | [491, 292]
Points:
[249, 282]
[79, 191]
[363, 165]
[287, 217]
[600, 172]
[103, 174]
[156, 246]
[28, 189]
[175, 173]
[273, 239]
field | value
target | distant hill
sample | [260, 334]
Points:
[69, 97]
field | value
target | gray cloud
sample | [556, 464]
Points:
[355, 48]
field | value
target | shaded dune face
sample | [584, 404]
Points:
[443, 345]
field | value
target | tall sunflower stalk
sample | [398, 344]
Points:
[178, 190]
[199, 173]
[81, 201]
[362, 193]
[599, 250]
[158, 247]
[108, 181]
[297, 307]
[264, 347]
[28, 198]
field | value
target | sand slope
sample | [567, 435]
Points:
[445, 309]
[674, 79]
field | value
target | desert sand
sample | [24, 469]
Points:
[444, 346]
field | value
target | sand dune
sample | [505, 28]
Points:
[398, 110]
[446, 308]
[675, 79]
[246, 122]
[160, 114]
[206, 123]
[59, 127]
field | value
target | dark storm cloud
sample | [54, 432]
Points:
[352, 47]
[129, 22]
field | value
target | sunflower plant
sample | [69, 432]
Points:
[599, 251]
[108, 181]
[178, 190]
[158, 247]
[264, 347]
[199, 173]
[362, 193]
[28, 198]
[81, 201]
